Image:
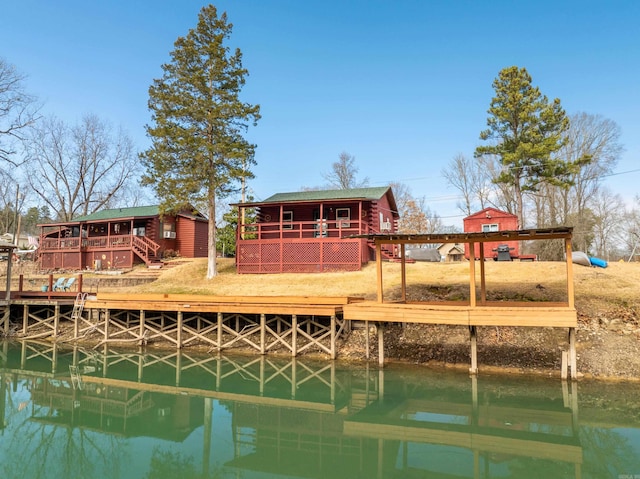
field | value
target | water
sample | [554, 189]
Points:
[179, 415]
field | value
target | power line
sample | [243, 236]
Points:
[622, 173]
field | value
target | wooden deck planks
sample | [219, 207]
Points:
[511, 314]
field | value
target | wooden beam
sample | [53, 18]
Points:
[379, 271]
[572, 353]
[570, 287]
[472, 274]
[403, 272]
[483, 285]
[381, 344]
[294, 335]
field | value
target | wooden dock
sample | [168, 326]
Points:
[294, 324]
[263, 324]
[477, 310]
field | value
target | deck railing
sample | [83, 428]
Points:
[90, 243]
[303, 229]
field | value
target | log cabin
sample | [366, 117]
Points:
[311, 231]
[121, 238]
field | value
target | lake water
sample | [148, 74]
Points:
[102, 414]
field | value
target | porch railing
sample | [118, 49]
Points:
[90, 243]
[303, 229]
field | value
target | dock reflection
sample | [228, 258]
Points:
[293, 417]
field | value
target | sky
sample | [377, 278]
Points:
[403, 85]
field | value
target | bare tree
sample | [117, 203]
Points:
[18, 111]
[609, 213]
[472, 180]
[402, 194]
[631, 232]
[343, 174]
[79, 170]
[592, 138]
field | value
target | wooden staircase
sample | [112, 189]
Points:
[147, 250]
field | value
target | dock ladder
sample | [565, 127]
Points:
[76, 379]
[78, 306]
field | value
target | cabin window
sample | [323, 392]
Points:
[287, 220]
[343, 217]
[490, 228]
[168, 230]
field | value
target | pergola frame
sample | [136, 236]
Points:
[477, 311]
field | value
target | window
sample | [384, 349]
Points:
[343, 217]
[287, 217]
[490, 228]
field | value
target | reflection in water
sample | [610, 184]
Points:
[77, 413]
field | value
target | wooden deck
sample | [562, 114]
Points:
[557, 315]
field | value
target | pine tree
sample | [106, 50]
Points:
[527, 131]
[198, 150]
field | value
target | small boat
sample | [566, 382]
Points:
[600, 263]
[578, 257]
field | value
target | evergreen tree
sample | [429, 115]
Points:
[527, 131]
[198, 151]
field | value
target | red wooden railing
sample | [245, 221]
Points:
[303, 229]
[145, 248]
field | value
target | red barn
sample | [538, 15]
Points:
[490, 220]
[311, 231]
[121, 237]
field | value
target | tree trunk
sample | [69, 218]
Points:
[211, 245]
[519, 203]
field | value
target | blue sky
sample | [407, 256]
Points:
[403, 85]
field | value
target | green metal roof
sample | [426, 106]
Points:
[322, 195]
[131, 212]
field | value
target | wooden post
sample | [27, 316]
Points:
[564, 365]
[179, 331]
[219, 332]
[333, 336]
[572, 353]
[142, 325]
[483, 285]
[366, 340]
[107, 320]
[294, 335]
[472, 274]
[80, 283]
[263, 331]
[381, 344]
[56, 319]
[25, 318]
[403, 272]
[379, 271]
[570, 288]
[474, 350]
